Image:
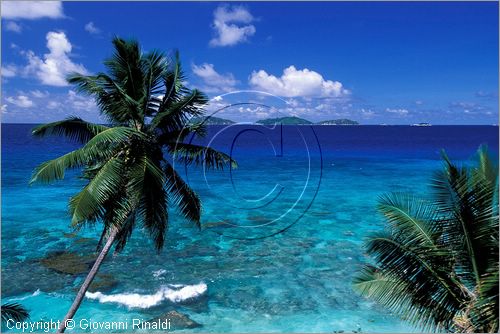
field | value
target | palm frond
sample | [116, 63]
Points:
[90, 203]
[125, 67]
[147, 180]
[99, 147]
[200, 155]
[465, 197]
[154, 66]
[437, 263]
[413, 218]
[179, 136]
[424, 274]
[14, 311]
[485, 312]
[125, 233]
[173, 80]
[178, 113]
[181, 194]
[112, 99]
[72, 127]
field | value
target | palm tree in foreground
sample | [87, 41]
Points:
[129, 180]
[437, 263]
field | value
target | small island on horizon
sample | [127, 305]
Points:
[291, 120]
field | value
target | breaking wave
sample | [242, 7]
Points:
[175, 293]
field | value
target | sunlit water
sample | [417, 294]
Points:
[281, 240]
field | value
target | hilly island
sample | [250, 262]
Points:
[280, 120]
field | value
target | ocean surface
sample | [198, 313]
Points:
[282, 235]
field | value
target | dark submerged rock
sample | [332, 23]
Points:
[68, 262]
[177, 320]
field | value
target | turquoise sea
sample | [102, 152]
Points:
[282, 235]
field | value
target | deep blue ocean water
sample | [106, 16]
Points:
[282, 235]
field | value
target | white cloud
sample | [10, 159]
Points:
[399, 111]
[214, 81]
[367, 113]
[53, 105]
[32, 9]
[468, 107]
[21, 101]
[55, 65]
[297, 83]
[4, 108]
[39, 94]
[80, 103]
[232, 25]
[92, 29]
[13, 26]
[9, 71]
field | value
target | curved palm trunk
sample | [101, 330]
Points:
[90, 277]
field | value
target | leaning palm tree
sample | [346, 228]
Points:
[436, 265]
[130, 180]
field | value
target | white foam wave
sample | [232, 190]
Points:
[34, 294]
[174, 293]
[159, 273]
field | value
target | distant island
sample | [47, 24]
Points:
[291, 120]
[342, 121]
[302, 121]
[212, 120]
[285, 121]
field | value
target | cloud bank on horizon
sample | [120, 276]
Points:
[301, 57]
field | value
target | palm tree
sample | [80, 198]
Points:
[13, 311]
[436, 265]
[129, 180]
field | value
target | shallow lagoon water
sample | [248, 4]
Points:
[322, 197]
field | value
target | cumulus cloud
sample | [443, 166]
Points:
[55, 65]
[13, 26]
[92, 29]
[21, 101]
[398, 111]
[214, 81]
[81, 103]
[232, 25]
[297, 83]
[32, 9]
[9, 71]
[4, 109]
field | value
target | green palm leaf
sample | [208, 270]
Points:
[200, 155]
[179, 113]
[90, 203]
[101, 146]
[14, 311]
[72, 127]
[437, 263]
[180, 194]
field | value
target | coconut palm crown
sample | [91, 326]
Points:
[436, 264]
[127, 164]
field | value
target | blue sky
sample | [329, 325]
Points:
[383, 62]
